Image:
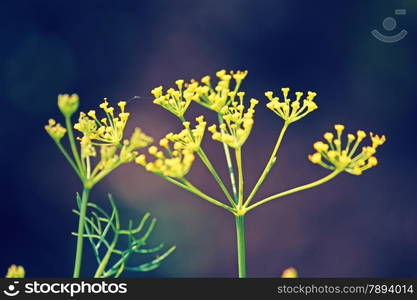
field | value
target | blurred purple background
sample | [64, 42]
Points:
[349, 227]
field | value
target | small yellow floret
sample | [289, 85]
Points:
[315, 158]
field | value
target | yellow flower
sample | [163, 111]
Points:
[111, 158]
[237, 123]
[68, 104]
[187, 138]
[15, 272]
[331, 155]
[87, 148]
[215, 97]
[55, 130]
[107, 134]
[174, 163]
[86, 125]
[126, 153]
[109, 130]
[289, 273]
[108, 157]
[139, 140]
[175, 101]
[177, 155]
[104, 136]
[291, 110]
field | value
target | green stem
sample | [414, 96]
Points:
[69, 159]
[297, 189]
[229, 165]
[216, 176]
[241, 248]
[192, 189]
[268, 166]
[238, 153]
[72, 144]
[104, 173]
[106, 259]
[80, 238]
[211, 169]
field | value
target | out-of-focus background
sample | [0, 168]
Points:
[349, 227]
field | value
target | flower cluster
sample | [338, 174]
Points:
[108, 134]
[187, 138]
[331, 155]
[108, 130]
[176, 101]
[237, 124]
[55, 130]
[110, 158]
[178, 155]
[215, 98]
[291, 110]
[104, 136]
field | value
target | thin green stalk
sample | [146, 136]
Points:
[229, 165]
[104, 262]
[104, 173]
[268, 166]
[216, 176]
[101, 268]
[210, 167]
[69, 159]
[192, 189]
[241, 247]
[238, 153]
[80, 238]
[297, 189]
[72, 143]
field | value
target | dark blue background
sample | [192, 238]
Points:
[352, 226]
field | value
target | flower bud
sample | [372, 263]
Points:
[68, 104]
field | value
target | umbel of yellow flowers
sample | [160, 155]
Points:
[237, 123]
[215, 97]
[177, 154]
[55, 130]
[333, 155]
[99, 136]
[224, 92]
[289, 110]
